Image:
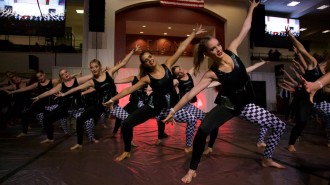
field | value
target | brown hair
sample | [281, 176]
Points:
[199, 52]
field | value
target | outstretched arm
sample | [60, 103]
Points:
[52, 91]
[173, 59]
[83, 86]
[310, 60]
[23, 89]
[123, 62]
[203, 83]
[124, 80]
[245, 28]
[256, 65]
[312, 87]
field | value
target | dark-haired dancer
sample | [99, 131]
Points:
[163, 95]
[105, 89]
[234, 99]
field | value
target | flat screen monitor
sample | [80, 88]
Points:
[32, 17]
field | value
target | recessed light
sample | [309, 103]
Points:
[143, 26]
[293, 3]
[165, 33]
[302, 29]
[188, 35]
[80, 11]
[322, 7]
[141, 32]
[325, 31]
[169, 27]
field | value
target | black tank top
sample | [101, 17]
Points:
[72, 100]
[139, 95]
[185, 86]
[106, 89]
[236, 89]
[42, 89]
[163, 92]
[312, 76]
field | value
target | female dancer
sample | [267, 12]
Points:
[39, 108]
[71, 105]
[312, 73]
[105, 88]
[235, 97]
[163, 95]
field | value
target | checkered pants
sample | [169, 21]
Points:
[63, 121]
[323, 108]
[264, 118]
[183, 116]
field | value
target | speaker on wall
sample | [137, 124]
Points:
[258, 26]
[96, 15]
[33, 62]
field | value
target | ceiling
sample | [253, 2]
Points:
[314, 20]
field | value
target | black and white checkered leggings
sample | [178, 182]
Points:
[323, 108]
[265, 119]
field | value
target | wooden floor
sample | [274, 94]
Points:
[234, 161]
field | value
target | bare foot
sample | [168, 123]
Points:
[93, 140]
[261, 144]
[133, 144]
[158, 142]
[76, 147]
[291, 148]
[188, 177]
[123, 156]
[21, 135]
[188, 149]
[208, 151]
[47, 141]
[270, 163]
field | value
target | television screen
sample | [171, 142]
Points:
[275, 35]
[275, 26]
[32, 17]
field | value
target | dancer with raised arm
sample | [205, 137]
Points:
[163, 95]
[105, 88]
[234, 99]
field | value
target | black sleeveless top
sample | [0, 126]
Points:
[72, 100]
[105, 90]
[312, 76]
[185, 86]
[236, 89]
[139, 95]
[43, 88]
[163, 92]
[22, 97]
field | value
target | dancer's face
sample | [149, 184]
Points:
[148, 59]
[214, 48]
[41, 77]
[95, 68]
[64, 74]
[178, 72]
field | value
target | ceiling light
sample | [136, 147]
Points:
[143, 26]
[169, 27]
[302, 29]
[293, 3]
[325, 31]
[80, 11]
[141, 32]
[322, 7]
[165, 33]
[188, 35]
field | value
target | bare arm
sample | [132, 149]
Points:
[89, 90]
[8, 87]
[83, 86]
[245, 28]
[174, 58]
[23, 89]
[310, 60]
[301, 58]
[313, 87]
[289, 76]
[124, 80]
[256, 65]
[52, 91]
[286, 87]
[84, 79]
[123, 62]
[206, 80]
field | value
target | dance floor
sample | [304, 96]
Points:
[235, 159]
